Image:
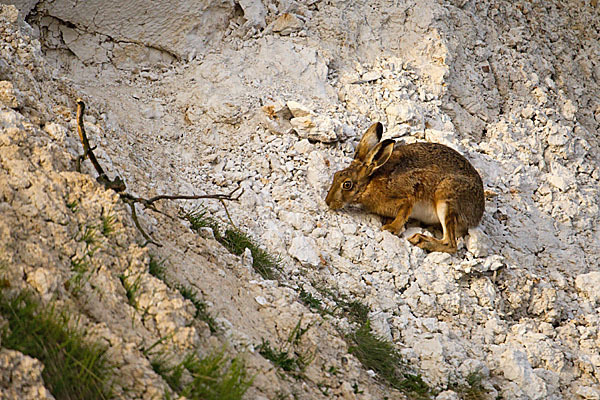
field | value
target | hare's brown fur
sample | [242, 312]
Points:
[429, 182]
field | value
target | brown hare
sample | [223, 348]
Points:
[429, 182]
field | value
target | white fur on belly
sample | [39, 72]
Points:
[425, 211]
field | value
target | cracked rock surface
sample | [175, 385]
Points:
[273, 96]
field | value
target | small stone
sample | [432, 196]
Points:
[261, 300]
[276, 118]
[478, 243]
[558, 182]
[371, 76]
[304, 123]
[402, 112]
[286, 23]
[297, 109]
[558, 139]
[8, 96]
[206, 232]
[45, 280]
[349, 229]
[569, 110]
[527, 112]
[322, 129]
[447, 395]
[153, 111]
[247, 259]
[588, 284]
[380, 325]
[305, 250]
[588, 392]
[303, 146]
[254, 13]
[516, 367]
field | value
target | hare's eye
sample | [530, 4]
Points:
[347, 185]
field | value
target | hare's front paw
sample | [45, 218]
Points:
[390, 228]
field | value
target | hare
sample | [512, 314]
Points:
[429, 182]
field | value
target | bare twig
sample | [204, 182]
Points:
[138, 225]
[119, 186]
[227, 212]
[196, 197]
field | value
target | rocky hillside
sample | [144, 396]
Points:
[199, 97]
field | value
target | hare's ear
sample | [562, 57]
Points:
[371, 137]
[379, 155]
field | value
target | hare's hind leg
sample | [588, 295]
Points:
[449, 221]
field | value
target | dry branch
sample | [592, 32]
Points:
[118, 185]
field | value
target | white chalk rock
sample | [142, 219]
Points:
[588, 284]
[380, 325]
[247, 259]
[303, 146]
[569, 109]
[516, 368]
[303, 125]
[402, 112]
[287, 23]
[304, 249]
[447, 395]
[320, 128]
[84, 45]
[478, 243]
[561, 177]
[371, 76]
[8, 96]
[261, 300]
[273, 235]
[588, 392]
[276, 118]
[297, 109]
[45, 281]
[254, 12]
[335, 239]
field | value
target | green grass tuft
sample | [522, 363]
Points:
[201, 307]
[262, 262]
[379, 355]
[374, 352]
[81, 268]
[156, 268]
[72, 205]
[472, 390]
[89, 236]
[236, 242]
[199, 218]
[280, 358]
[131, 288]
[314, 303]
[287, 357]
[108, 225]
[356, 311]
[214, 377]
[73, 368]
[310, 300]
